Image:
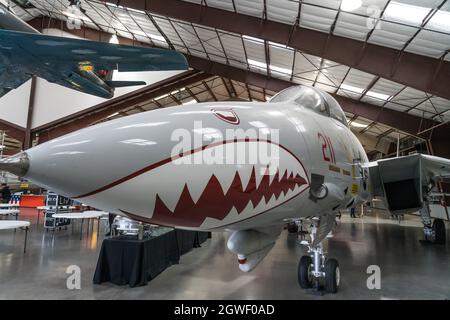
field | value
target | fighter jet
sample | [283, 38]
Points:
[243, 167]
[81, 65]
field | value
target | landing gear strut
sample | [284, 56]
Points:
[313, 267]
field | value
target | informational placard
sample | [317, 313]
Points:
[54, 205]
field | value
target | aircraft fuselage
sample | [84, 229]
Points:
[144, 167]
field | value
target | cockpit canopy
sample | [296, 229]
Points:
[314, 99]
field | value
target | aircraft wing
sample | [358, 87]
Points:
[404, 181]
[53, 51]
[9, 79]
[436, 167]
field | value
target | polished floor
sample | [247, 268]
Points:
[409, 269]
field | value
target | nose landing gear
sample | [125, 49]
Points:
[315, 266]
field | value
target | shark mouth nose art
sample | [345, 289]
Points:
[207, 195]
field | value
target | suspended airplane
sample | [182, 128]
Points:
[203, 167]
[81, 65]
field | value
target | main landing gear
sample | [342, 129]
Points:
[315, 266]
[434, 232]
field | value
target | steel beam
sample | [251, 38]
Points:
[28, 138]
[417, 71]
[12, 130]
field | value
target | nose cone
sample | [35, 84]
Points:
[17, 164]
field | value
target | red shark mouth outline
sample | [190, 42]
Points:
[217, 204]
[233, 120]
[234, 197]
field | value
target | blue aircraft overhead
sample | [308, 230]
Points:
[82, 65]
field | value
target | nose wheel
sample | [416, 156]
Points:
[327, 279]
[304, 272]
[315, 272]
[332, 276]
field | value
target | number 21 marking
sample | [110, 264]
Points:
[327, 148]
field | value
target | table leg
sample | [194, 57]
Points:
[81, 232]
[26, 238]
[98, 226]
[38, 217]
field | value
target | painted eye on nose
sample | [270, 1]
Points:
[227, 115]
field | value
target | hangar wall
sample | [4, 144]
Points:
[14, 105]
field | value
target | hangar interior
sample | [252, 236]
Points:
[386, 62]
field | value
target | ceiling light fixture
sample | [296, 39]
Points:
[352, 88]
[281, 70]
[157, 38]
[114, 39]
[189, 102]
[253, 39]
[350, 5]
[258, 64]
[113, 115]
[440, 21]
[376, 95]
[358, 125]
[405, 13]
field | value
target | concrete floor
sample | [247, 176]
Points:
[409, 269]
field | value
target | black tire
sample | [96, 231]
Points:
[304, 272]
[439, 231]
[332, 276]
[292, 227]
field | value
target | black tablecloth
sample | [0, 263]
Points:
[127, 260]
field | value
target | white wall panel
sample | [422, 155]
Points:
[14, 105]
[54, 102]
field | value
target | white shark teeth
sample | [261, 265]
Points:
[226, 174]
[245, 172]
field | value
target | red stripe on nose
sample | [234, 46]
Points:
[242, 261]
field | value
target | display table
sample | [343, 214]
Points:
[91, 214]
[15, 224]
[43, 208]
[7, 212]
[9, 205]
[187, 240]
[127, 260]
